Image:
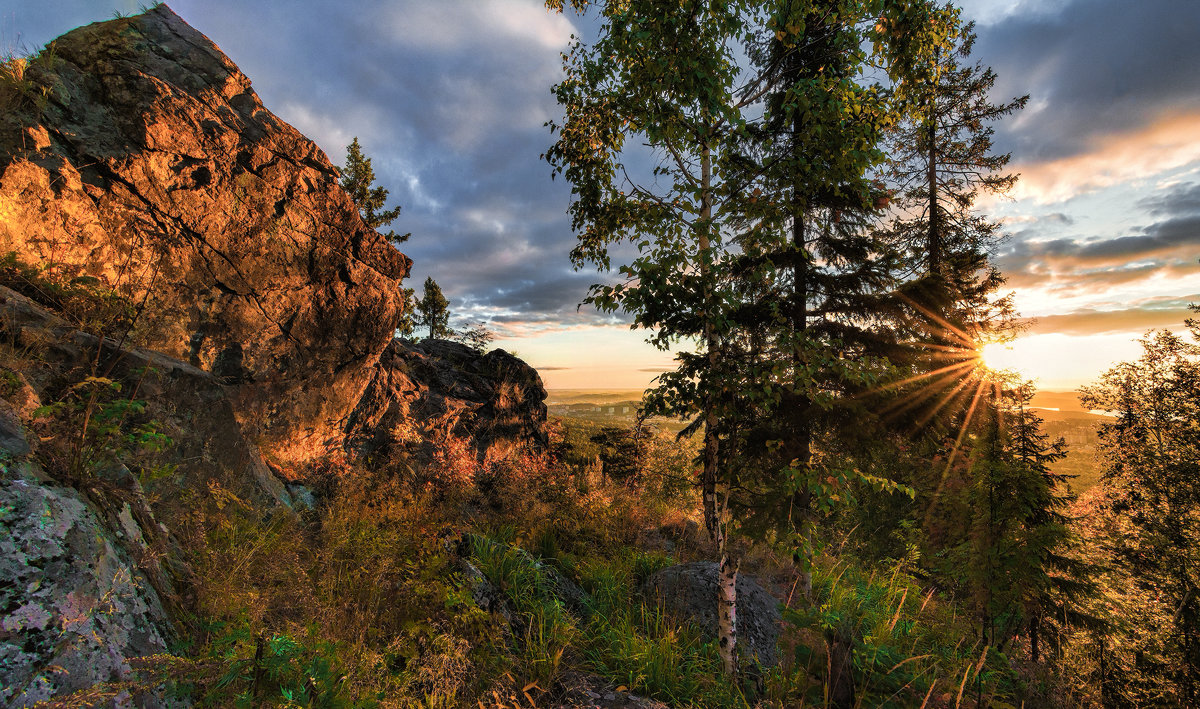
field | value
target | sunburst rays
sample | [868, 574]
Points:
[955, 384]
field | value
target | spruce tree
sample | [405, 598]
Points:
[1022, 569]
[407, 322]
[1151, 458]
[433, 310]
[358, 179]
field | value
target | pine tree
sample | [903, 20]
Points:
[433, 310]
[1151, 454]
[407, 322]
[357, 179]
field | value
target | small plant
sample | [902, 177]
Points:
[18, 89]
[83, 300]
[91, 426]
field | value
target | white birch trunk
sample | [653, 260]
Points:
[727, 613]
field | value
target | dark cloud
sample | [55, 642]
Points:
[1180, 199]
[1151, 314]
[1170, 247]
[552, 369]
[657, 369]
[1093, 68]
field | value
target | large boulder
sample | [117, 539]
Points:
[689, 592]
[79, 583]
[425, 390]
[151, 164]
[189, 405]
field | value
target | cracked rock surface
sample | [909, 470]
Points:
[153, 165]
[73, 605]
[429, 388]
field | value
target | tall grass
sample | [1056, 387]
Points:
[909, 647]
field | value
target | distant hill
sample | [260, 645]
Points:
[591, 396]
[1061, 400]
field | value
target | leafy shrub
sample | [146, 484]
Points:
[90, 426]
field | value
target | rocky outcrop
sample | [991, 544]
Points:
[89, 574]
[425, 390]
[689, 592]
[151, 164]
[190, 405]
[74, 604]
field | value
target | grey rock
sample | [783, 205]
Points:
[484, 592]
[586, 691]
[689, 592]
[12, 434]
[302, 496]
[76, 605]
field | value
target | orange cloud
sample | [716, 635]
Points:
[1170, 142]
[1153, 314]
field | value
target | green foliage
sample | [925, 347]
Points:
[548, 629]
[81, 299]
[407, 321]
[91, 426]
[364, 586]
[624, 640]
[477, 336]
[26, 81]
[907, 646]
[432, 310]
[278, 670]
[1151, 454]
[358, 179]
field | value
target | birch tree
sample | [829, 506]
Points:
[663, 73]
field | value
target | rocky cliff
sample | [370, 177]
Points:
[135, 158]
[150, 163]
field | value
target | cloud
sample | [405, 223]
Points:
[1151, 314]
[1170, 142]
[1166, 249]
[1178, 199]
[1093, 69]
[552, 369]
[457, 27]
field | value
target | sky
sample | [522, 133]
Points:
[450, 99]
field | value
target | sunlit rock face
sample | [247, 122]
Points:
[150, 163]
[429, 389]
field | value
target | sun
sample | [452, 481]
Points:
[1001, 357]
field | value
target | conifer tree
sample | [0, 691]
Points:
[432, 310]
[1022, 570]
[407, 322]
[358, 179]
[1151, 454]
[941, 162]
[826, 274]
